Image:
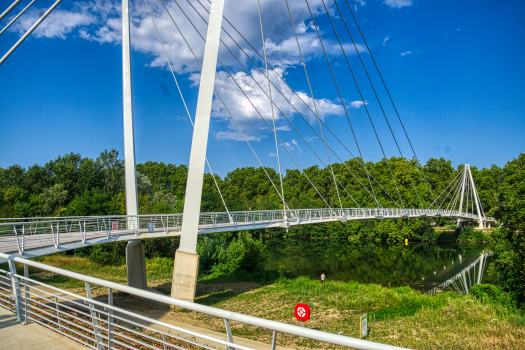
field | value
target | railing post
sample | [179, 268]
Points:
[111, 343]
[229, 333]
[274, 340]
[94, 321]
[27, 295]
[16, 292]
[58, 315]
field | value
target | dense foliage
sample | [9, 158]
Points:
[73, 185]
[243, 253]
[509, 240]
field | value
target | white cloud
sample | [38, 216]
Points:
[290, 146]
[246, 115]
[100, 20]
[236, 136]
[406, 53]
[56, 25]
[279, 128]
[357, 104]
[386, 39]
[398, 3]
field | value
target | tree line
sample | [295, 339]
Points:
[76, 185]
[73, 185]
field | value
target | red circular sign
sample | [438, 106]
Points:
[302, 312]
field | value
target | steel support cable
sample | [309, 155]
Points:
[362, 98]
[271, 106]
[361, 162]
[184, 102]
[453, 189]
[248, 72]
[373, 88]
[224, 66]
[29, 31]
[390, 97]
[291, 124]
[469, 194]
[442, 192]
[457, 191]
[455, 197]
[219, 96]
[311, 92]
[316, 111]
[12, 6]
[17, 16]
[269, 127]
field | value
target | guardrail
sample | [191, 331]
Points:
[16, 235]
[100, 325]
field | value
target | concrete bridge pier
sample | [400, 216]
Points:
[136, 264]
[185, 273]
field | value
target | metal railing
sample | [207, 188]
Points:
[31, 233]
[101, 325]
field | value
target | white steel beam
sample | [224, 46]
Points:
[192, 201]
[6, 12]
[29, 31]
[129, 138]
[478, 207]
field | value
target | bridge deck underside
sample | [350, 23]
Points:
[62, 238]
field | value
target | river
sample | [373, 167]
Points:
[420, 265]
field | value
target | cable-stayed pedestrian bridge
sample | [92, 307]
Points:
[42, 236]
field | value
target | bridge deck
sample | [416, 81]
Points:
[41, 236]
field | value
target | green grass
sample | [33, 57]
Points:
[398, 316]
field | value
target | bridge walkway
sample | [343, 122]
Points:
[32, 336]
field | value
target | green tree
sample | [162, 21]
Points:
[510, 240]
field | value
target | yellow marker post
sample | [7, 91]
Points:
[406, 241]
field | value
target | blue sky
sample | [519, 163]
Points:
[454, 69]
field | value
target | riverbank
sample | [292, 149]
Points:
[398, 316]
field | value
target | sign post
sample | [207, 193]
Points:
[363, 329]
[302, 312]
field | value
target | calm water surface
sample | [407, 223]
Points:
[421, 266]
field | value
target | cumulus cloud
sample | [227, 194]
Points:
[290, 146]
[357, 104]
[100, 21]
[398, 3]
[56, 25]
[406, 53]
[247, 114]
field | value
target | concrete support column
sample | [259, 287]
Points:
[136, 264]
[185, 275]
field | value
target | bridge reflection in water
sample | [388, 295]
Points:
[461, 281]
[421, 265]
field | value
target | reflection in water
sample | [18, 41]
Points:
[423, 266]
[466, 278]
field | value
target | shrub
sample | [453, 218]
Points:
[490, 294]
[242, 254]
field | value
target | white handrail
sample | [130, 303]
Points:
[229, 315]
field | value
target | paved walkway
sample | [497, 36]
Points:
[33, 336]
